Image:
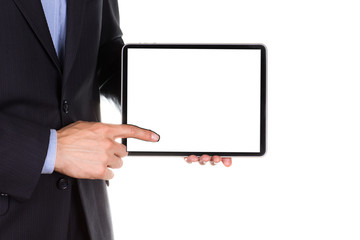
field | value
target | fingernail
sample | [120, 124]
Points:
[155, 137]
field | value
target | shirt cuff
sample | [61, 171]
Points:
[49, 164]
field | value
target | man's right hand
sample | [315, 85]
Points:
[88, 149]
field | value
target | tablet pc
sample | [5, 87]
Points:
[200, 98]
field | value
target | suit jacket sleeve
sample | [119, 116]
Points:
[23, 150]
[109, 58]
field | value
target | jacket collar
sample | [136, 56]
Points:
[34, 15]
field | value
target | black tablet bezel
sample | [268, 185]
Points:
[198, 46]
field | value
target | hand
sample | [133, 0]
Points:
[88, 149]
[227, 161]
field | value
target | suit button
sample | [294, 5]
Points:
[62, 184]
[66, 106]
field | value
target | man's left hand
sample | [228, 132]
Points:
[227, 161]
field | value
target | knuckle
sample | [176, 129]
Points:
[132, 130]
[122, 150]
[117, 163]
[104, 158]
[98, 127]
[148, 135]
[105, 129]
[100, 172]
[107, 143]
[82, 124]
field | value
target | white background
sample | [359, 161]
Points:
[307, 185]
[172, 91]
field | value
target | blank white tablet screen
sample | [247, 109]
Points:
[197, 100]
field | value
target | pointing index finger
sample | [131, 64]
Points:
[132, 131]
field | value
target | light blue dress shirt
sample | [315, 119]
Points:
[55, 13]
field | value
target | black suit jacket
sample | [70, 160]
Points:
[37, 93]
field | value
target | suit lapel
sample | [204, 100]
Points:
[74, 18]
[34, 15]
